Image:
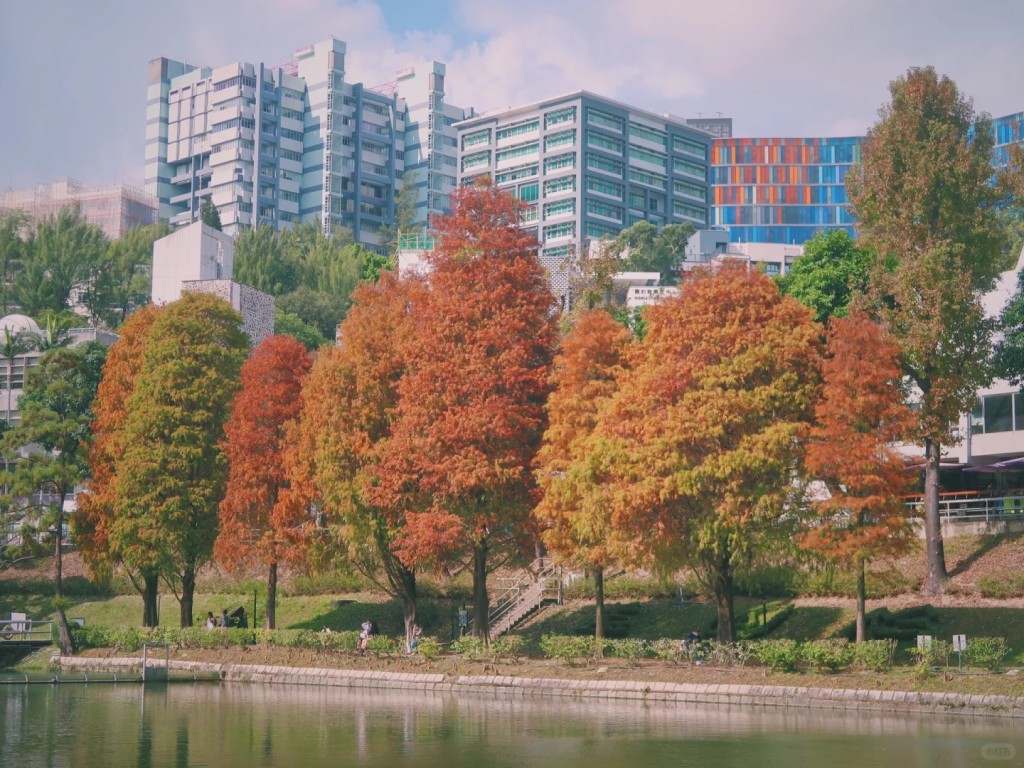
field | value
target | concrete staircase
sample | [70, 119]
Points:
[525, 593]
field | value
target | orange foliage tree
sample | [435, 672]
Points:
[253, 525]
[470, 413]
[860, 414]
[702, 437]
[91, 521]
[574, 513]
[348, 405]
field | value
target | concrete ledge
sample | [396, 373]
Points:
[690, 693]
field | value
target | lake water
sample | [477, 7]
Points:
[250, 726]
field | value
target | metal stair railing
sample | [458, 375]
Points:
[527, 593]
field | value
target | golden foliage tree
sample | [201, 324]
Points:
[702, 438]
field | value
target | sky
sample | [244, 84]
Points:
[73, 72]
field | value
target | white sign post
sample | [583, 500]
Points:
[924, 642]
[959, 645]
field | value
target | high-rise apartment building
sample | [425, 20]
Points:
[296, 142]
[588, 167]
[114, 208]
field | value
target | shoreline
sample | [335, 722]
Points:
[906, 702]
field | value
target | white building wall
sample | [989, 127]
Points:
[195, 252]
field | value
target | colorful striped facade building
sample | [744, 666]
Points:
[776, 190]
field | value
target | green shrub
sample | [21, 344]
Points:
[473, 648]
[831, 655]
[568, 648]
[987, 652]
[382, 645]
[630, 649]
[936, 655]
[777, 654]
[509, 647]
[875, 655]
[429, 648]
[669, 649]
[1001, 587]
[726, 654]
[755, 624]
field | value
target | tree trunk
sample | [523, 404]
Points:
[599, 606]
[723, 579]
[150, 591]
[271, 608]
[407, 594]
[861, 600]
[481, 625]
[188, 589]
[67, 647]
[935, 580]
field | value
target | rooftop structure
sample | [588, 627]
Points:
[114, 208]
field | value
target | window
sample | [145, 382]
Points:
[647, 156]
[528, 214]
[528, 192]
[636, 199]
[599, 163]
[691, 168]
[600, 231]
[564, 115]
[514, 174]
[519, 129]
[555, 231]
[649, 134]
[243, 122]
[287, 154]
[560, 139]
[998, 413]
[607, 210]
[518, 151]
[568, 160]
[558, 252]
[291, 113]
[604, 142]
[476, 160]
[247, 82]
[287, 133]
[375, 109]
[477, 137]
[688, 147]
[691, 190]
[565, 207]
[597, 117]
[689, 211]
[561, 184]
[605, 187]
[650, 179]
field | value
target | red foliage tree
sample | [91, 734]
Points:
[470, 413]
[91, 521]
[253, 525]
[573, 512]
[860, 414]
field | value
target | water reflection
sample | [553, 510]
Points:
[240, 725]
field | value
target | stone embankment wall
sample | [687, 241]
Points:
[762, 695]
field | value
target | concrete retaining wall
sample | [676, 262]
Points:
[764, 695]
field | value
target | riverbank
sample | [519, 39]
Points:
[901, 691]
